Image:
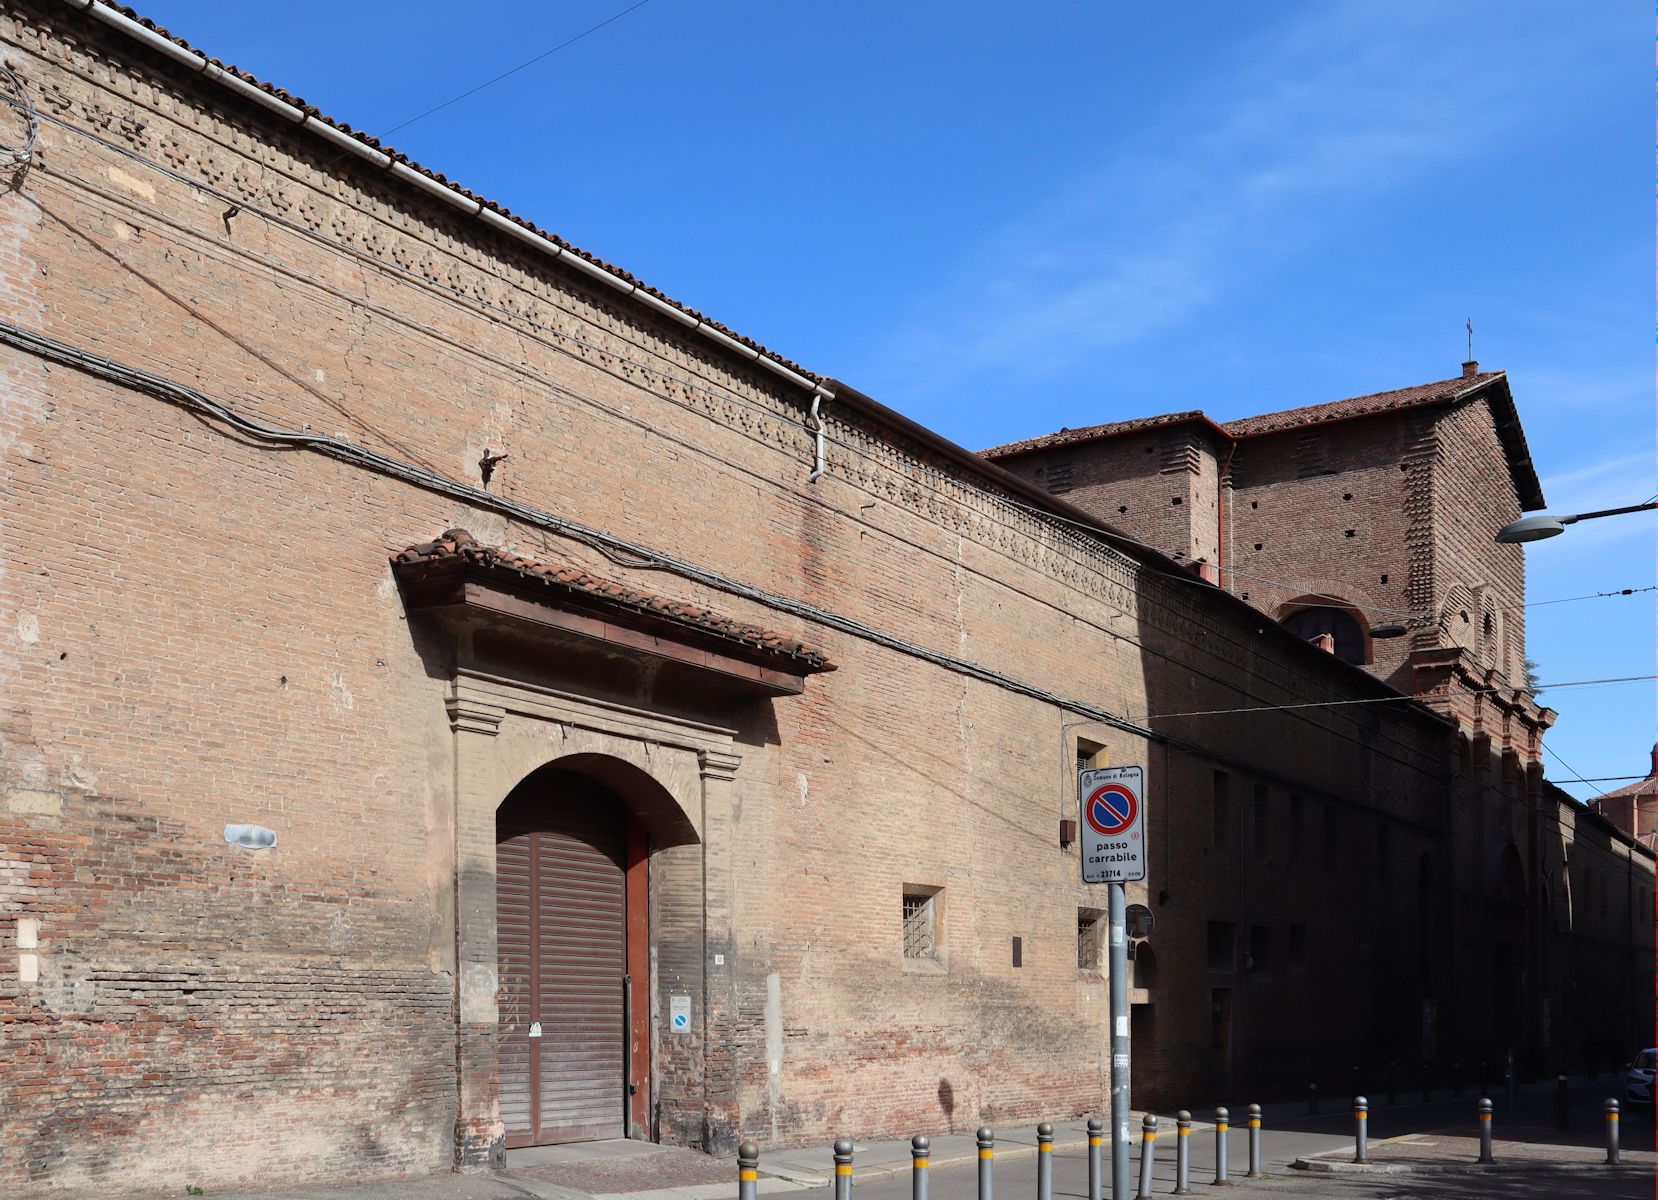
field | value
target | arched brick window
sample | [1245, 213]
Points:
[1340, 624]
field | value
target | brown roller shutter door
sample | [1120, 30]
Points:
[561, 930]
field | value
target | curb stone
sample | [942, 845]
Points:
[1337, 1167]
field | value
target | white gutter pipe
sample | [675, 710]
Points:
[451, 196]
[819, 466]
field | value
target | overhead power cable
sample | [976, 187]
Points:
[202, 405]
[1549, 750]
[1592, 596]
[627, 558]
[1092, 528]
[1215, 712]
[529, 62]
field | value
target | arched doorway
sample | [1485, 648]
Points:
[571, 910]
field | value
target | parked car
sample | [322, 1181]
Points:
[1637, 1082]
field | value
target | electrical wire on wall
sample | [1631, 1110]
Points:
[1090, 546]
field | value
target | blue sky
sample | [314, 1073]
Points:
[1005, 220]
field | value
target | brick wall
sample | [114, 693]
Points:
[1160, 486]
[198, 629]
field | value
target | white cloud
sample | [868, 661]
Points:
[1350, 102]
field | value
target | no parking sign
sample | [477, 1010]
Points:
[1113, 843]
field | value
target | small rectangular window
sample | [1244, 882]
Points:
[1263, 819]
[1090, 934]
[1298, 947]
[1087, 753]
[1223, 809]
[1223, 946]
[1260, 949]
[921, 921]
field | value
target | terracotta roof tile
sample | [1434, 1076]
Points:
[1090, 433]
[299, 102]
[1422, 395]
[1641, 787]
[1360, 406]
[457, 545]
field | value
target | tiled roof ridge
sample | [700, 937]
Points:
[1438, 391]
[397, 156]
[1640, 787]
[1087, 433]
[459, 545]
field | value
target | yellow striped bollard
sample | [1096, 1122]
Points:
[1223, 1122]
[919, 1145]
[1255, 1171]
[1183, 1153]
[1148, 1150]
[748, 1170]
[843, 1170]
[1096, 1139]
[1044, 1161]
[1611, 1133]
[1485, 1130]
[1361, 1129]
[987, 1160]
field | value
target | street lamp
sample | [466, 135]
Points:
[1541, 525]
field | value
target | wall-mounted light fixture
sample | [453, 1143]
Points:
[253, 837]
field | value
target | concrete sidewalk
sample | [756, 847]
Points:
[1456, 1150]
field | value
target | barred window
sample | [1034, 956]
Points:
[920, 922]
[1090, 926]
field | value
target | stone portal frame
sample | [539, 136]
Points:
[676, 775]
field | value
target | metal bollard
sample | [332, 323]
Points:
[1183, 1153]
[1255, 1171]
[1044, 1161]
[1312, 1097]
[748, 1170]
[1096, 1139]
[1148, 1151]
[987, 1160]
[1222, 1124]
[1611, 1133]
[843, 1170]
[1485, 1130]
[1562, 1104]
[1361, 1134]
[919, 1146]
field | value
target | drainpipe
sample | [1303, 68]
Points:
[1223, 499]
[818, 464]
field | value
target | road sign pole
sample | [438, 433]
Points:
[1119, 1045]
[1113, 852]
